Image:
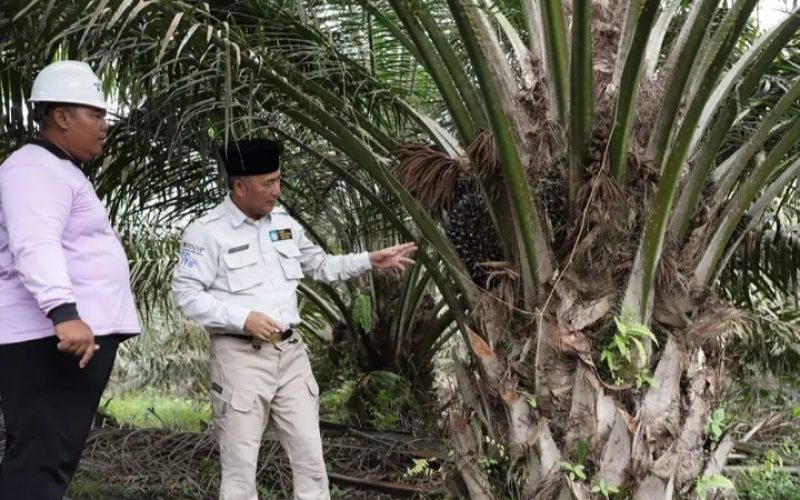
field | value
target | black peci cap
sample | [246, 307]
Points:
[251, 157]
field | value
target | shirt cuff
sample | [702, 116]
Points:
[237, 317]
[63, 313]
[362, 263]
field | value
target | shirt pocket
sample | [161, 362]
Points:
[289, 256]
[241, 269]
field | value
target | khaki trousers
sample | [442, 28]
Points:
[248, 387]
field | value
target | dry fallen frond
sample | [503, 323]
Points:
[161, 463]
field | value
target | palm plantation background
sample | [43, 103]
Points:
[604, 193]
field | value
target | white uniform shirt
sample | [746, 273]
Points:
[231, 265]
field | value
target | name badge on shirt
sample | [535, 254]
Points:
[239, 249]
[280, 234]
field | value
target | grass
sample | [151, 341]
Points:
[86, 487]
[760, 485]
[149, 409]
[765, 397]
[334, 403]
[767, 480]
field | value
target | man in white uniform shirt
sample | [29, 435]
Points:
[239, 268]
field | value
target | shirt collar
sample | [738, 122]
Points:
[55, 150]
[237, 217]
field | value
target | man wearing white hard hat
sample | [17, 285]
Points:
[65, 295]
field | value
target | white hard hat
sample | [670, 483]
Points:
[69, 82]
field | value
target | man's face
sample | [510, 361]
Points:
[84, 130]
[259, 193]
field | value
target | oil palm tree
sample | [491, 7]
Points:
[561, 161]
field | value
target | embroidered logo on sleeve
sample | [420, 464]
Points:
[280, 234]
[187, 261]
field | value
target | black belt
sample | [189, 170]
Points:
[274, 339]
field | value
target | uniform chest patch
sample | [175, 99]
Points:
[280, 234]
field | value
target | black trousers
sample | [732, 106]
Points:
[49, 404]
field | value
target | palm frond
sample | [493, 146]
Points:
[152, 254]
[766, 264]
[768, 339]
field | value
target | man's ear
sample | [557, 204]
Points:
[61, 117]
[238, 186]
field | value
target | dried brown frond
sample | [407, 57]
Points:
[649, 102]
[607, 193]
[607, 19]
[644, 169]
[715, 326]
[430, 175]
[693, 247]
[672, 305]
[546, 138]
[596, 149]
[483, 151]
[605, 223]
[642, 185]
[499, 271]
[501, 280]
[704, 212]
[494, 309]
[164, 463]
[667, 272]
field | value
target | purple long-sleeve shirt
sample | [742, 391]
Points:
[57, 247]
